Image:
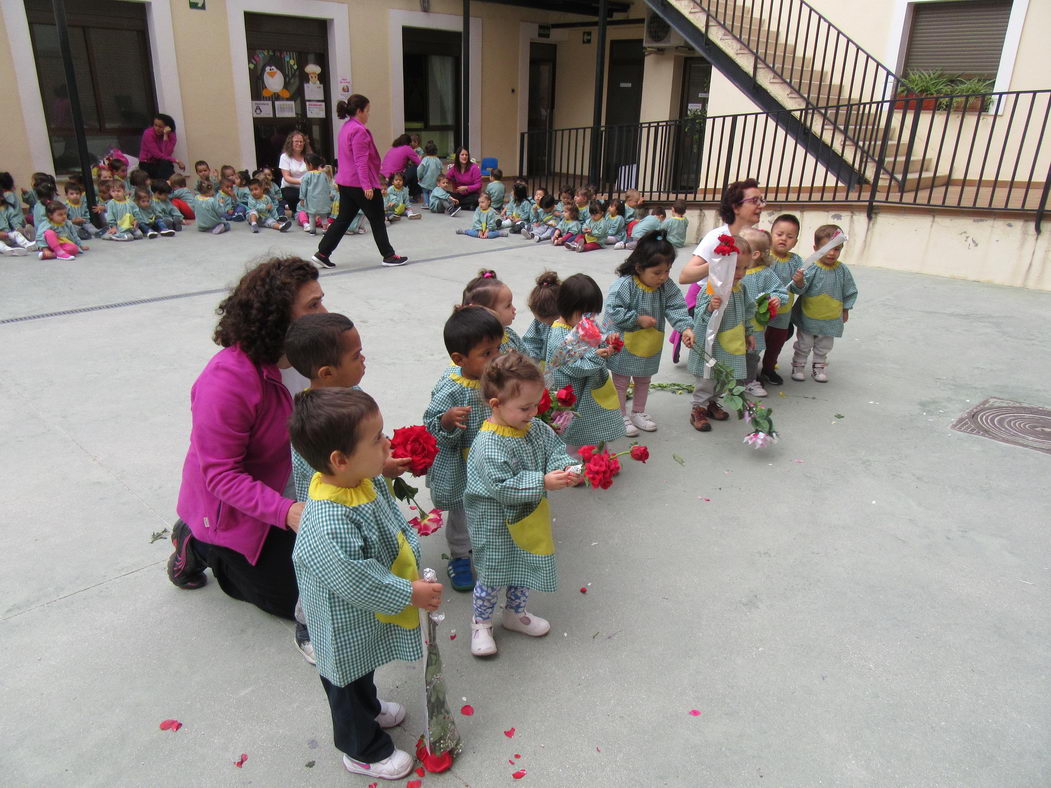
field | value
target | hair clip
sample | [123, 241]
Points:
[488, 275]
[660, 236]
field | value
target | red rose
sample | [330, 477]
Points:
[586, 452]
[545, 403]
[417, 444]
[615, 342]
[433, 763]
[565, 396]
[589, 333]
[726, 239]
[640, 453]
[772, 310]
[601, 469]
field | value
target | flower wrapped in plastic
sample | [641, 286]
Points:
[441, 743]
[589, 334]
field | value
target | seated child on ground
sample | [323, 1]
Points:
[486, 223]
[147, 218]
[209, 211]
[262, 212]
[676, 224]
[58, 236]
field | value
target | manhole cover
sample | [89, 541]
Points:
[1008, 422]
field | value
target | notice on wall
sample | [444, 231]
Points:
[315, 109]
[262, 109]
[344, 89]
[285, 109]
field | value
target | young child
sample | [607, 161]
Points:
[165, 209]
[598, 410]
[146, 216]
[273, 190]
[515, 460]
[139, 179]
[442, 200]
[495, 189]
[209, 211]
[396, 202]
[676, 224]
[759, 280]
[414, 141]
[120, 214]
[205, 174]
[357, 226]
[228, 171]
[827, 292]
[13, 230]
[643, 226]
[103, 193]
[565, 199]
[568, 226]
[543, 228]
[45, 192]
[516, 210]
[784, 235]
[182, 197]
[119, 170]
[535, 211]
[261, 209]
[543, 303]
[428, 171]
[472, 337]
[79, 212]
[315, 196]
[582, 199]
[486, 222]
[58, 236]
[231, 209]
[615, 223]
[595, 232]
[357, 567]
[632, 204]
[241, 180]
[638, 304]
[734, 340]
[488, 291]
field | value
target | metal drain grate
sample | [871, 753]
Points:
[1008, 422]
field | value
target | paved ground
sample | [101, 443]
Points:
[864, 604]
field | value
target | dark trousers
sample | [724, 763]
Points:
[270, 585]
[468, 202]
[291, 195]
[351, 200]
[775, 340]
[354, 727]
[157, 170]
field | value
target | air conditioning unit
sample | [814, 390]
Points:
[659, 34]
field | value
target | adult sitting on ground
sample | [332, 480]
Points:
[465, 179]
[157, 149]
[293, 166]
[401, 158]
[233, 515]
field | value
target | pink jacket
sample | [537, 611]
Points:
[154, 148]
[397, 159]
[239, 459]
[472, 179]
[359, 161]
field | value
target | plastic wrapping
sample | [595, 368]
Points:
[441, 736]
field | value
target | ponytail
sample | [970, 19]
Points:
[351, 107]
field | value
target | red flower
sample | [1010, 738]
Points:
[601, 469]
[171, 725]
[433, 763]
[417, 444]
[615, 342]
[565, 396]
[430, 523]
[772, 310]
[586, 452]
[467, 710]
[726, 245]
[726, 239]
[589, 333]
[545, 403]
[640, 453]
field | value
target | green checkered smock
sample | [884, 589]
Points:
[355, 559]
[827, 290]
[598, 409]
[315, 193]
[518, 211]
[758, 281]
[512, 341]
[628, 298]
[784, 267]
[302, 474]
[535, 340]
[675, 227]
[615, 228]
[447, 477]
[507, 505]
[731, 343]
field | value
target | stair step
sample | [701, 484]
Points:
[924, 180]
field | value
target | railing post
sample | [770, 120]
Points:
[1042, 207]
[880, 159]
[600, 73]
[521, 154]
[729, 151]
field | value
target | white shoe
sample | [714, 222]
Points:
[362, 230]
[629, 428]
[819, 374]
[755, 388]
[797, 373]
[398, 764]
[642, 420]
[391, 714]
[527, 624]
[482, 643]
[618, 245]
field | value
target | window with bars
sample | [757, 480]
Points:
[963, 38]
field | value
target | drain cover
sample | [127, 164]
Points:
[1008, 422]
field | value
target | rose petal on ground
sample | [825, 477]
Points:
[414, 784]
[519, 774]
[420, 772]
[467, 710]
[583, 590]
[695, 712]
[171, 725]
[241, 761]
[511, 762]
[597, 750]
[517, 756]
[452, 636]
[510, 733]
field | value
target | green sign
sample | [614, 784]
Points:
[197, 4]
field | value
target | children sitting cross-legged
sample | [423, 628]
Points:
[442, 200]
[516, 210]
[57, 236]
[261, 209]
[515, 460]
[357, 567]
[120, 215]
[78, 211]
[165, 208]
[544, 222]
[226, 197]
[182, 197]
[396, 201]
[208, 210]
[568, 227]
[594, 234]
[150, 222]
[486, 222]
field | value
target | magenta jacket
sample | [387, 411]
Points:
[472, 179]
[154, 148]
[359, 161]
[397, 159]
[239, 459]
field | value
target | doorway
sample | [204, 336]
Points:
[431, 62]
[623, 108]
[541, 105]
[693, 111]
[289, 75]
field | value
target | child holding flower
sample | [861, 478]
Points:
[488, 291]
[543, 303]
[784, 234]
[515, 460]
[759, 280]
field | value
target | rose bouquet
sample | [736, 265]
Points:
[420, 447]
[759, 417]
[587, 335]
[558, 412]
[600, 466]
[764, 310]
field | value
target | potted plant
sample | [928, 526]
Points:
[918, 88]
[968, 101]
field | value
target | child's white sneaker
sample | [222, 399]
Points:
[629, 428]
[797, 373]
[642, 420]
[819, 373]
[362, 229]
[618, 245]
[527, 623]
[413, 215]
[395, 766]
[755, 388]
[64, 256]
[482, 643]
[391, 714]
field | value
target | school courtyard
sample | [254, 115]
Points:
[865, 603]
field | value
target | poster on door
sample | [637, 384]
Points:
[313, 88]
[275, 74]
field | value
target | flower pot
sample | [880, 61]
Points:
[972, 104]
[911, 102]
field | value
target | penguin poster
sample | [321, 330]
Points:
[275, 74]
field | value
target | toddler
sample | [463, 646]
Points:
[760, 279]
[104, 192]
[205, 174]
[472, 337]
[595, 232]
[396, 203]
[516, 211]
[515, 460]
[231, 209]
[615, 227]
[565, 199]
[414, 141]
[146, 216]
[486, 222]
[119, 172]
[543, 228]
[262, 211]
[45, 191]
[442, 200]
[165, 209]
[495, 189]
[357, 567]
[641, 227]
[209, 211]
[568, 226]
[120, 215]
[228, 171]
[182, 197]
[58, 237]
[543, 303]
[79, 212]
[632, 204]
[315, 195]
[535, 212]
[139, 179]
[827, 293]
[241, 179]
[488, 291]
[598, 411]
[676, 224]
[784, 234]
[15, 235]
[428, 171]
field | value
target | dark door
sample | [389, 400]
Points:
[693, 108]
[541, 107]
[290, 78]
[623, 105]
[431, 64]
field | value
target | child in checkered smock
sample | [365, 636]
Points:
[514, 461]
[598, 411]
[472, 336]
[760, 279]
[488, 291]
[784, 234]
[638, 304]
[543, 303]
[827, 292]
[357, 566]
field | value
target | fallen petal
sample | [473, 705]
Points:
[452, 636]
[241, 762]
[583, 590]
[519, 755]
[695, 712]
[510, 733]
[467, 710]
[420, 772]
[519, 774]
[414, 784]
[171, 725]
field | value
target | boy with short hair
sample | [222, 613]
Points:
[205, 174]
[120, 215]
[675, 225]
[208, 210]
[442, 200]
[262, 210]
[164, 208]
[784, 234]
[182, 197]
[79, 212]
[147, 218]
[232, 210]
[495, 189]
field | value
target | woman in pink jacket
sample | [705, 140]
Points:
[465, 179]
[157, 149]
[234, 517]
[358, 179]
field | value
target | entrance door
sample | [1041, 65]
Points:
[288, 67]
[693, 109]
[431, 63]
[623, 108]
[541, 107]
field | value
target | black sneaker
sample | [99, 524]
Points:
[322, 260]
[772, 378]
[184, 569]
[394, 260]
[306, 648]
[455, 210]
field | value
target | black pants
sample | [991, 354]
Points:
[468, 202]
[270, 585]
[157, 170]
[351, 200]
[291, 195]
[354, 727]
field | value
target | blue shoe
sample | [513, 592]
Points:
[460, 574]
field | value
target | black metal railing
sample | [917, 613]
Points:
[983, 152]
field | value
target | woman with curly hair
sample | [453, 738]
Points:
[233, 515]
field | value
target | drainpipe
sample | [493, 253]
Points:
[465, 75]
[600, 79]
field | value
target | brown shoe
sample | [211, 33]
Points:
[717, 413]
[699, 419]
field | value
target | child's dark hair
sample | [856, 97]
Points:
[226, 183]
[205, 187]
[399, 174]
[734, 196]
[571, 211]
[679, 207]
[468, 326]
[504, 375]
[519, 192]
[200, 163]
[325, 420]
[7, 181]
[653, 249]
[788, 218]
[228, 170]
[177, 181]
[140, 193]
[657, 210]
[616, 205]
[541, 189]
[244, 176]
[483, 289]
[595, 208]
[73, 186]
[45, 191]
[543, 301]
[162, 188]
[496, 174]
[53, 205]
[825, 232]
[138, 178]
[567, 189]
[117, 164]
[254, 182]
[430, 149]
[314, 161]
[579, 293]
[547, 202]
[315, 341]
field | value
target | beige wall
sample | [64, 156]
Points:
[14, 145]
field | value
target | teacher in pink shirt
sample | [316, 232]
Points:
[157, 149]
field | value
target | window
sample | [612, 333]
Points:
[431, 61]
[964, 38]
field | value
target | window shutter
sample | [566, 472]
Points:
[958, 37]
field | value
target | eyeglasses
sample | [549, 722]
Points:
[756, 200]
